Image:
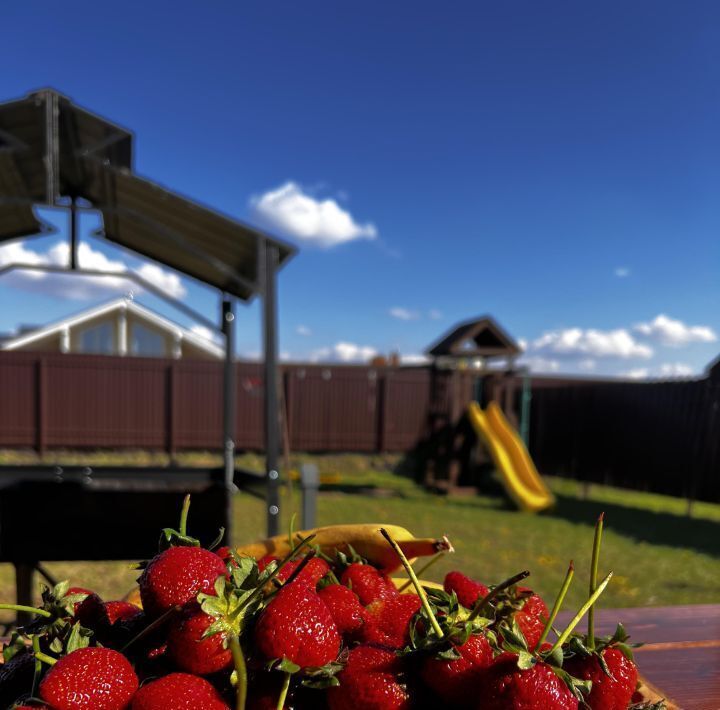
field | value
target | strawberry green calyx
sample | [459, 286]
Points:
[483, 603]
[48, 660]
[593, 576]
[416, 583]
[558, 603]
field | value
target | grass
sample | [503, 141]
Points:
[659, 556]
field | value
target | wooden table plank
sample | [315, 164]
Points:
[682, 652]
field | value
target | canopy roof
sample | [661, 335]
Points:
[51, 148]
[478, 338]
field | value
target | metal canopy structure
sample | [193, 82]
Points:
[55, 153]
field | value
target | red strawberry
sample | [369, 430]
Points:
[468, 591]
[344, 605]
[371, 680]
[456, 681]
[178, 691]
[193, 653]
[531, 618]
[368, 583]
[388, 620]
[608, 693]
[311, 574]
[298, 626]
[121, 611]
[263, 562]
[92, 678]
[506, 687]
[72, 591]
[176, 576]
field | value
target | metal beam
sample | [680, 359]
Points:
[268, 257]
[73, 234]
[228, 328]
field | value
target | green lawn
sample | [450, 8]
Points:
[659, 556]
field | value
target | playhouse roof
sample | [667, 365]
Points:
[477, 338]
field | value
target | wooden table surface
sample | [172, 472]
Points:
[681, 655]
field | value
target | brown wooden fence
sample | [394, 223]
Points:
[655, 436]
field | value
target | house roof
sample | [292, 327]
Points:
[479, 337]
[50, 148]
[118, 304]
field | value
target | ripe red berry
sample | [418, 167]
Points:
[455, 681]
[344, 605]
[368, 583]
[178, 691]
[311, 574]
[612, 692]
[506, 687]
[176, 576]
[298, 626]
[193, 653]
[531, 618]
[467, 590]
[387, 622]
[91, 678]
[371, 680]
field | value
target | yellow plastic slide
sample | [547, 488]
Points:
[517, 470]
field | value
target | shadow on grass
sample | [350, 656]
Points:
[644, 525]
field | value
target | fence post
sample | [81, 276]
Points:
[171, 411]
[309, 484]
[381, 383]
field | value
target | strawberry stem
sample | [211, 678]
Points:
[283, 691]
[423, 569]
[556, 606]
[240, 670]
[45, 658]
[416, 583]
[480, 605]
[593, 578]
[184, 515]
[28, 609]
[152, 626]
[576, 619]
[38, 664]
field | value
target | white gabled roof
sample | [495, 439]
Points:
[117, 304]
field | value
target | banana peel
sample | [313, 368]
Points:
[364, 538]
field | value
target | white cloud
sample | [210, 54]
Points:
[540, 364]
[414, 359]
[303, 330]
[522, 344]
[590, 343]
[434, 314]
[675, 333]
[622, 272]
[166, 281]
[636, 373]
[587, 365]
[344, 352]
[81, 287]
[292, 212]
[403, 313]
[676, 369]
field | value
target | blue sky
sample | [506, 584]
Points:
[554, 164]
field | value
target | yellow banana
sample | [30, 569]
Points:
[364, 538]
[402, 581]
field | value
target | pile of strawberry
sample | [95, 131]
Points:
[218, 631]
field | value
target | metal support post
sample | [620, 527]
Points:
[228, 329]
[73, 234]
[525, 410]
[268, 272]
